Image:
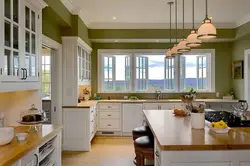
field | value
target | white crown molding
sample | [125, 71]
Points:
[152, 40]
[243, 20]
[40, 4]
[79, 40]
[68, 4]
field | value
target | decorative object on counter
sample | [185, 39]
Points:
[98, 98]
[197, 115]
[180, 112]
[32, 118]
[219, 127]
[241, 111]
[238, 69]
[6, 135]
[86, 94]
[133, 98]
[2, 116]
[21, 136]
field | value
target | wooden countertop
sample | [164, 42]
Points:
[165, 101]
[175, 133]
[14, 151]
[83, 104]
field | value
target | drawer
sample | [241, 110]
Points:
[109, 124]
[110, 115]
[109, 106]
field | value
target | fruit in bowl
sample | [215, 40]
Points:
[179, 112]
[219, 125]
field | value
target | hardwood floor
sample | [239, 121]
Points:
[106, 151]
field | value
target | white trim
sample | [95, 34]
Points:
[79, 40]
[68, 5]
[211, 52]
[40, 4]
[246, 73]
[243, 20]
[56, 95]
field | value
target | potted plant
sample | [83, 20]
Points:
[86, 94]
[197, 115]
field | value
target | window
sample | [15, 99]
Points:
[149, 70]
[46, 72]
[116, 73]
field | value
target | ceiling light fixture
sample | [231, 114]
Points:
[192, 40]
[175, 48]
[169, 52]
[207, 30]
[114, 18]
[182, 46]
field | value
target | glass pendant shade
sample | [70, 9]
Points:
[175, 50]
[182, 46]
[207, 30]
[192, 40]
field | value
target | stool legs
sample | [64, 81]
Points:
[140, 159]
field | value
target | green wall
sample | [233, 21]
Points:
[239, 46]
[58, 21]
[223, 54]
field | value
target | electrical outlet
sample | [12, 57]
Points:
[125, 97]
[218, 94]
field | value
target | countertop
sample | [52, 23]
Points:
[90, 103]
[12, 152]
[175, 134]
[83, 104]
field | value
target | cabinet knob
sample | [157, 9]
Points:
[109, 125]
[157, 154]
[109, 106]
[109, 115]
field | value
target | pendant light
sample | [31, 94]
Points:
[169, 52]
[182, 46]
[175, 48]
[192, 40]
[207, 30]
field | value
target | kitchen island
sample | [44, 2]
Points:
[177, 144]
[39, 148]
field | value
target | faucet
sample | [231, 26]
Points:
[157, 94]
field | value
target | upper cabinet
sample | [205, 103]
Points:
[20, 30]
[84, 65]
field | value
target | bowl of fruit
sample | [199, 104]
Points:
[219, 127]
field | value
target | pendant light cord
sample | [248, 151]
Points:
[193, 14]
[170, 4]
[206, 9]
[176, 21]
[183, 9]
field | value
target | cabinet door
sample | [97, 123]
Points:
[30, 159]
[10, 43]
[32, 44]
[214, 106]
[132, 117]
[151, 106]
[167, 106]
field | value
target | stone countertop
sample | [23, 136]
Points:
[14, 151]
[175, 134]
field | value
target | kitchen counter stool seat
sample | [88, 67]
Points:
[141, 131]
[144, 149]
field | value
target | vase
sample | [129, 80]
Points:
[86, 97]
[198, 120]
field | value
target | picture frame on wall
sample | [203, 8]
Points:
[238, 69]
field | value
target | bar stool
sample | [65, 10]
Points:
[144, 149]
[141, 131]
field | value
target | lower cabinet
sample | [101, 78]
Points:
[203, 164]
[31, 159]
[79, 128]
[132, 117]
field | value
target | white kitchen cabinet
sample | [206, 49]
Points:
[203, 164]
[217, 106]
[109, 118]
[76, 68]
[31, 159]
[132, 117]
[166, 106]
[79, 128]
[20, 30]
[151, 106]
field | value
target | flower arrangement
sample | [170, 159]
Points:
[86, 91]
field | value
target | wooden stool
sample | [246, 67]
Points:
[144, 149]
[141, 131]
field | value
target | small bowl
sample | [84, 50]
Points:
[6, 135]
[21, 136]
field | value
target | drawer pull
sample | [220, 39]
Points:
[109, 115]
[157, 154]
[92, 120]
[109, 125]
[109, 106]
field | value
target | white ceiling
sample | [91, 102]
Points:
[99, 14]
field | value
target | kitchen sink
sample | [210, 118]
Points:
[228, 117]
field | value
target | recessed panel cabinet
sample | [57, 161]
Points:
[20, 44]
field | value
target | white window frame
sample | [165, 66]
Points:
[133, 52]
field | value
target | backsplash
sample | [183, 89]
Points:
[13, 103]
[152, 95]
[80, 90]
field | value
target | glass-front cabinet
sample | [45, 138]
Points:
[84, 65]
[20, 30]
